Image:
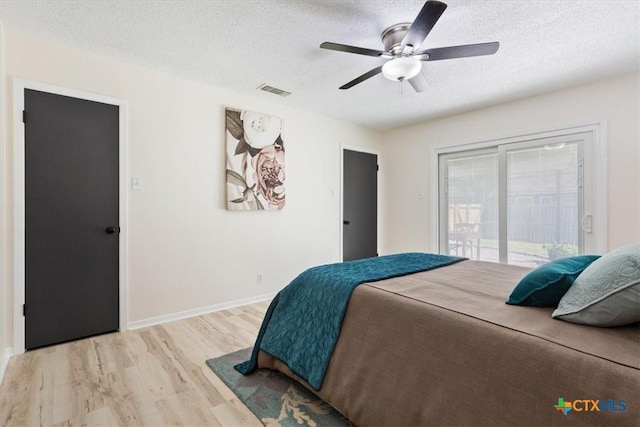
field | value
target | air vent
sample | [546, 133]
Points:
[274, 90]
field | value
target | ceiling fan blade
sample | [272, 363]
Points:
[423, 23]
[419, 83]
[464, 51]
[362, 78]
[353, 49]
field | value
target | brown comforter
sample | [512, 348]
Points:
[442, 348]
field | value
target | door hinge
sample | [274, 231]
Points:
[24, 310]
[24, 116]
[377, 167]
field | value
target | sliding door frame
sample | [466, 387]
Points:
[595, 155]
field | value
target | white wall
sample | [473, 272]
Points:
[186, 251]
[407, 154]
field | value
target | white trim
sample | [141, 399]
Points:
[591, 126]
[7, 354]
[19, 86]
[3, 206]
[600, 176]
[503, 216]
[435, 203]
[599, 173]
[379, 225]
[199, 311]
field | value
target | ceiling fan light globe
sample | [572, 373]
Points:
[403, 68]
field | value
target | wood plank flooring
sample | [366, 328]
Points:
[154, 376]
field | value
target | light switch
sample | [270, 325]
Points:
[136, 183]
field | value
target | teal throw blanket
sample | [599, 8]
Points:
[302, 324]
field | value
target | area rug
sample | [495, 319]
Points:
[273, 397]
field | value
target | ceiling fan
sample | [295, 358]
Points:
[401, 46]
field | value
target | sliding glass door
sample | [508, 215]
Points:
[469, 215]
[543, 195]
[519, 203]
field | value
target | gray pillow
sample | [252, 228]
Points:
[607, 293]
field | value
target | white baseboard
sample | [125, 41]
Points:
[7, 354]
[198, 311]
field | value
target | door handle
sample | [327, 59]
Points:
[112, 230]
[345, 222]
[587, 222]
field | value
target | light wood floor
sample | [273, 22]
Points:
[153, 376]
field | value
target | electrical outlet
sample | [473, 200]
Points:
[259, 279]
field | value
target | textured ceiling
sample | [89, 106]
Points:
[238, 45]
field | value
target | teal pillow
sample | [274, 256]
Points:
[546, 285]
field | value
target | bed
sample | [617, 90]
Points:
[441, 347]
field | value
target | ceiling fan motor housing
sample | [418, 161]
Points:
[392, 37]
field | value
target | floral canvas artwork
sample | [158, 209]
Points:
[255, 161]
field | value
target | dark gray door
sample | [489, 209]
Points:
[359, 205]
[71, 218]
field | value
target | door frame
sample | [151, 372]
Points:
[379, 228]
[19, 85]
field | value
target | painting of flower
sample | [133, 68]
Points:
[255, 161]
